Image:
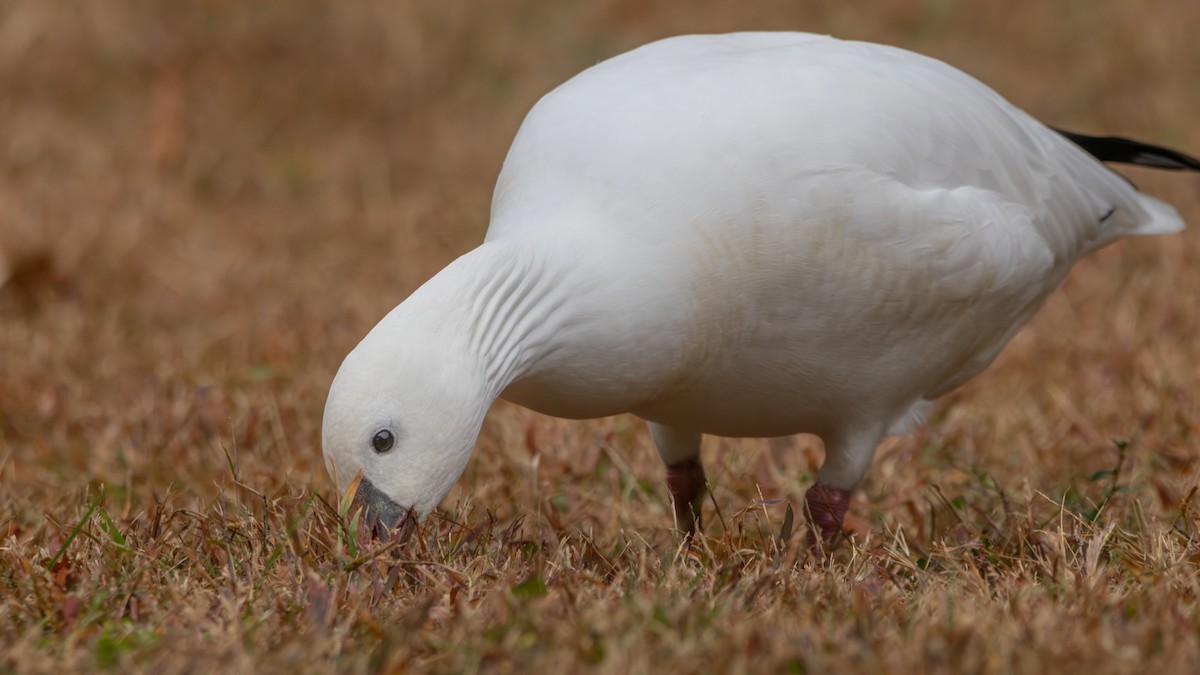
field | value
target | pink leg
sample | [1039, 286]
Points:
[826, 506]
[687, 483]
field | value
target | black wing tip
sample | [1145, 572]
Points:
[1128, 151]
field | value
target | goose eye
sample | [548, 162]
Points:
[383, 441]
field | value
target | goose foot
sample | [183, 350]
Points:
[825, 506]
[687, 484]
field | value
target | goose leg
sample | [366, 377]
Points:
[680, 451]
[846, 460]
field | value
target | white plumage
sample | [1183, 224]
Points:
[754, 234]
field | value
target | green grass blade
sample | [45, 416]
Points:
[78, 528]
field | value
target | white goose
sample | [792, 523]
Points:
[755, 234]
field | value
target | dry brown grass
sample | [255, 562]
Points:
[203, 205]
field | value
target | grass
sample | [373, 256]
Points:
[204, 206]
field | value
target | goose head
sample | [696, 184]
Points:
[402, 418]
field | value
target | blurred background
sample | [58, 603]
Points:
[204, 204]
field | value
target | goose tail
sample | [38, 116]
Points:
[1163, 218]
[1159, 217]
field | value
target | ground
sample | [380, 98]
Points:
[204, 205]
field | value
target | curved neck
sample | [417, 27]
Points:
[498, 304]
